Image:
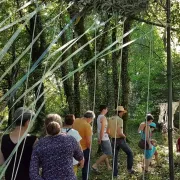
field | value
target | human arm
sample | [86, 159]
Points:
[120, 132]
[177, 145]
[88, 135]
[35, 142]
[78, 154]
[148, 139]
[103, 124]
[108, 130]
[34, 166]
[1, 158]
[120, 128]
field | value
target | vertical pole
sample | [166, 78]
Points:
[169, 78]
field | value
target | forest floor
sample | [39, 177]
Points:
[155, 172]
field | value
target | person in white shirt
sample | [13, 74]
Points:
[103, 139]
[67, 129]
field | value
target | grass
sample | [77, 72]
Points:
[156, 173]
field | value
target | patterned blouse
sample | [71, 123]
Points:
[54, 154]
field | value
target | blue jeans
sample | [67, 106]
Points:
[86, 164]
[121, 144]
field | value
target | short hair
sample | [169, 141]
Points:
[89, 114]
[53, 128]
[149, 117]
[69, 119]
[101, 107]
[22, 115]
[53, 124]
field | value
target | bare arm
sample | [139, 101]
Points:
[120, 132]
[177, 146]
[88, 135]
[103, 123]
[88, 141]
[147, 129]
[1, 158]
[141, 127]
[108, 130]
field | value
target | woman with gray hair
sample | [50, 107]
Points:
[18, 168]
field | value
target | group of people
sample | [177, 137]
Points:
[65, 147]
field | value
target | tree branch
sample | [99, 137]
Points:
[151, 23]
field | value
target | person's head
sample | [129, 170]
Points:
[22, 117]
[149, 118]
[120, 111]
[89, 115]
[69, 119]
[152, 126]
[53, 124]
[103, 109]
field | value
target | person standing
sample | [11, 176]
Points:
[54, 153]
[67, 129]
[103, 138]
[146, 134]
[115, 130]
[82, 125]
[18, 168]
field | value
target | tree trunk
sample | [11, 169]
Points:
[11, 82]
[87, 55]
[124, 72]
[115, 70]
[68, 90]
[77, 106]
[37, 50]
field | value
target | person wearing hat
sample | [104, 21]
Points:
[18, 167]
[115, 130]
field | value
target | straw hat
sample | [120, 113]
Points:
[121, 108]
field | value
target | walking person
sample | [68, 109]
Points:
[103, 139]
[18, 168]
[54, 153]
[146, 135]
[67, 129]
[82, 125]
[115, 130]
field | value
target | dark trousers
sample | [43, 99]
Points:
[86, 164]
[121, 144]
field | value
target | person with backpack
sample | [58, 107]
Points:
[67, 129]
[115, 130]
[145, 143]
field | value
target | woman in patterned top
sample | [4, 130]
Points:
[54, 153]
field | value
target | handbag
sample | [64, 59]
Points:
[142, 145]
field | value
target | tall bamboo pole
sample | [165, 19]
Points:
[169, 78]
